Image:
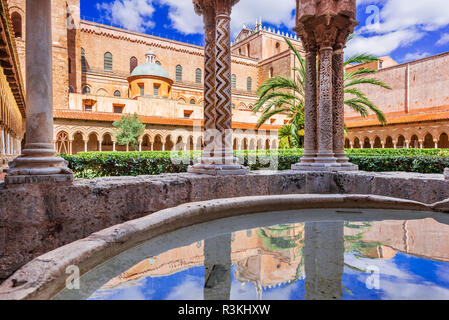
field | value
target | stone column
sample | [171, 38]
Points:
[2, 141]
[127, 147]
[310, 112]
[436, 143]
[39, 162]
[218, 156]
[70, 146]
[338, 112]
[325, 109]
[113, 146]
[85, 146]
[140, 145]
[8, 144]
[99, 145]
[326, 30]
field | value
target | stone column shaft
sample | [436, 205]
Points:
[210, 114]
[310, 123]
[39, 162]
[325, 121]
[218, 157]
[338, 113]
[223, 89]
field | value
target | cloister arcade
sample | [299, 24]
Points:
[428, 140]
[76, 139]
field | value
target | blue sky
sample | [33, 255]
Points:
[404, 29]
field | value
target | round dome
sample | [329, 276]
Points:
[150, 69]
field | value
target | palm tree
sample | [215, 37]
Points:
[286, 95]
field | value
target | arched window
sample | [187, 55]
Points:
[198, 76]
[248, 50]
[70, 65]
[62, 143]
[108, 61]
[278, 48]
[158, 63]
[83, 60]
[16, 19]
[234, 81]
[179, 73]
[249, 84]
[117, 93]
[270, 73]
[192, 101]
[132, 64]
[86, 90]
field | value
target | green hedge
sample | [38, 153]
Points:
[101, 164]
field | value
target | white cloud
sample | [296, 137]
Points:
[131, 14]
[137, 14]
[443, 40]
[416, 56]
[279, 12]
[384, 44]
[428, 15]
[183, 16]
[402, 22]
[184, 19]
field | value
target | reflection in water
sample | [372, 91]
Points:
[317, 260]
[217, 268]
[324, 260]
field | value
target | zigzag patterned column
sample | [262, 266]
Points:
[223, 78]
[218, 110]
[209, 84]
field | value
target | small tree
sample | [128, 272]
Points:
[129, 130]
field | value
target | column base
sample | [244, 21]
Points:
[54, 178]
[212, 167]
[29, 169]
[327, 167]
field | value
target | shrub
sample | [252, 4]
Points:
[102, 164]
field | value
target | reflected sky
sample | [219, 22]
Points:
[379, 260]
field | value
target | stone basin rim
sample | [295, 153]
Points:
[45, 276]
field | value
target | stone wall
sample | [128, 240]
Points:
[37, 218]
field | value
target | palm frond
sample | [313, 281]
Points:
[361, 58]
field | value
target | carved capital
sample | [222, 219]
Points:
[325, 35]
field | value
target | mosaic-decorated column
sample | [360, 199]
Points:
[39, 162]
[209, 82]
[310, 110]
[325, 117]
[218, 156]
[324, 26]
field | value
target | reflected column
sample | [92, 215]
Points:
[324, 260]
[217, 268]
